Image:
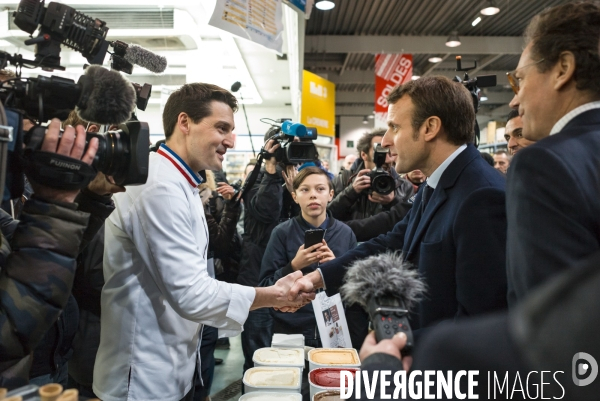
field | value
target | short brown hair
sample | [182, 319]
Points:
[573, 27]
[364, 143]
[74, 120]
[305, 172]
[439, 96]
[194, 100]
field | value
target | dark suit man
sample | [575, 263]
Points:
[456, 240]
[553, 186]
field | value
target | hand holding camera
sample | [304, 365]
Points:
[362, 181]
[71, 144]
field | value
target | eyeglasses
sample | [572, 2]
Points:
[513, 81]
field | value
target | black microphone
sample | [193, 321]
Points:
[145, 58]
[387, 288]
[236, 86]
[106, 96]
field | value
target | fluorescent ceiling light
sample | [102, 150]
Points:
[325, 5]
[476, 21]
[366, 120]
[435, 60]
[490, 9]
[453, 40]
[483, 98]
[415, 77]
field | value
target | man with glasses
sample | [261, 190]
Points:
[553, 186]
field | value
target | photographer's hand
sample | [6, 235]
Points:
[362, 181]
[393, 346]
[271, 163]
[104, 185]
[288, 175]
[225, 190]
[72, 144]
[383, 199]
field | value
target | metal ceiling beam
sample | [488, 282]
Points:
[484, 63]
[368, 77]
[353, 110]
[412, 44]
[368, 97]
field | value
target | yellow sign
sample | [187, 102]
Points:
[318, 103]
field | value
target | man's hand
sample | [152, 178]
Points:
[306, 257]
[104, 185]
[383, 199]
[72, 144]
[362, 181]
[277, 295]
[308, 283]
[391, 347]
[225, 190]
[288, 176]
[271, 163]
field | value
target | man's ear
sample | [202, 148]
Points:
[431, 128]
[183, 123]
[564, 70]
[294, 197]
[364, 156]
[93, 128]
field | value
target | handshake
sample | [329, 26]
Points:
[289, 293]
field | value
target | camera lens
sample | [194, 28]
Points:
[382, 183]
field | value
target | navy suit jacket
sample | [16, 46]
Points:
[553, 204]
[458, 245]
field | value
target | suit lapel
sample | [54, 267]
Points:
[417, 229]
[438, 198]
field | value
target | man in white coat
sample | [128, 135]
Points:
[158, 292]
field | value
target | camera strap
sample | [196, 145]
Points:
[57, 171]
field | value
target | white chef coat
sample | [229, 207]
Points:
[158, 293]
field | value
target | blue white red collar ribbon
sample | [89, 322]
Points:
[180, 165]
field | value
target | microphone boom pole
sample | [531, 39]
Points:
[234, 88]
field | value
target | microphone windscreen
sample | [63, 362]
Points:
[236, 86]
[145, 58]
[110, 97]
[383, 275]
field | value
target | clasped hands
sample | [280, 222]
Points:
[297, 290]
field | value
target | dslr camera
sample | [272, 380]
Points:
[381, 181]
[292, 151]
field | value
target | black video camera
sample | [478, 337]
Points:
[121, 154]
[381, 181]
[293, 152]
[388, 317]
[473, 85]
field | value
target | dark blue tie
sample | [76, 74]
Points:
[427, 191]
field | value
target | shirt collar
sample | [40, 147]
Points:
[560, 124]
[434, 179]
[193, 178]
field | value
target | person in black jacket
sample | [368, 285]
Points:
[286, 253]
[266, 204]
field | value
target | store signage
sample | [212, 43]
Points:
[391, 70]
[318, 103]
[255, 20]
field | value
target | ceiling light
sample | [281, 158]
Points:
[490, 8]
[453, 40]
[435, 60]
[415, 77]
[325, 5]
[483, 98]
[366, 120]
[476, 21]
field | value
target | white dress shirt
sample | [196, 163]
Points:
[560, 124]
[434, 178]
[158, 293]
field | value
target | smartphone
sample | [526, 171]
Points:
[313, 237]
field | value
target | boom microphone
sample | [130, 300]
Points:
[106, 96]
[145, 58]
[387, 288]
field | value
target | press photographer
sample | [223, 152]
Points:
[371, 185]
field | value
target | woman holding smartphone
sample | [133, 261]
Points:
[286, 251]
